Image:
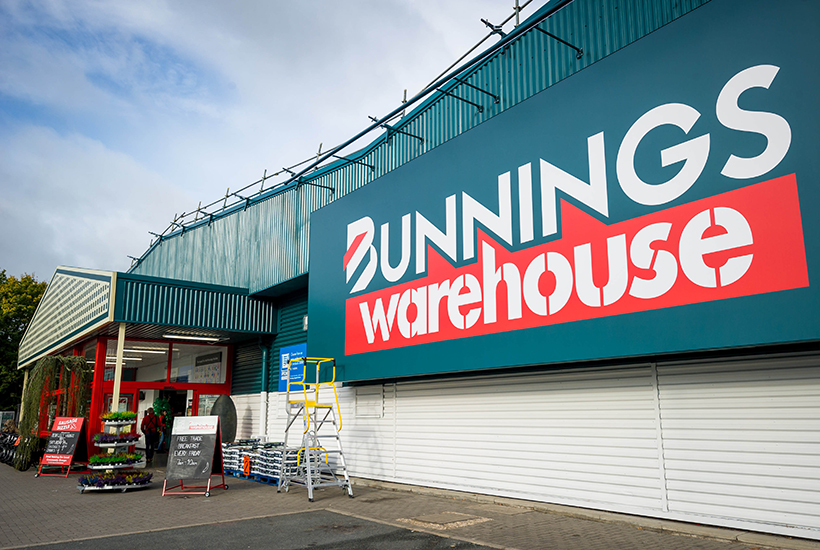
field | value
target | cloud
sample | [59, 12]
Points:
[68, 200]
[183, 99]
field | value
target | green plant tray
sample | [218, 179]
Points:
[121, 488]
[140, 464]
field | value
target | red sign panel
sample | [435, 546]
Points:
[740, 243]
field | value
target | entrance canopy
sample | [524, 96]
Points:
[81, 303]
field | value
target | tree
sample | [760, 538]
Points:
[18, 301]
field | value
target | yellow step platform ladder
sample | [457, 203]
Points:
[319, 460]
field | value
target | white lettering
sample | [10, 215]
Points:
[402, 321]
[559, 266]
[426, 230]
[364, 225]
[693, 246]
[393, 274]
[661, 261]
[361, 258]
[695, 152]
[435, 293]
[592, 194]
[455, 300]
[525, 203]
[420, 300]
[590, 294]
[492, 277]
[379, 320]
[473, 211]
[775, 128]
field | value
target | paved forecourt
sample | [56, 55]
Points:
[49, 510]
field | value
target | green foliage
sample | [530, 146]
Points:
[118, 458]
[18, 301]
[119, 416]
[44, 379]
[162, 407]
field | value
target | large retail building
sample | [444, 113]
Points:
[580, 271]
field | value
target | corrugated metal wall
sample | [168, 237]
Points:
[292, 312]
[246, 376]
[267, 243]
[247, 367]
[164, 303]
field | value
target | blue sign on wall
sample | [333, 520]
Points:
[663, 200]
[297, 368]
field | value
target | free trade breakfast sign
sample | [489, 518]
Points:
[662, 200]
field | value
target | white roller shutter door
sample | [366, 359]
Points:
[731, 443]
[587, 438]
[741, 442]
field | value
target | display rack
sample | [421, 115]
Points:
[118, 427]
[256, 461]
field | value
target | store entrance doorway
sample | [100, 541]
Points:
[177, 406]
[177, 399]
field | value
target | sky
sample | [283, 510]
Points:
[116, 116]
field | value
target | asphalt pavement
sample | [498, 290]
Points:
[50, 512]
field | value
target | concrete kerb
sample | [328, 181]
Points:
[777, 542]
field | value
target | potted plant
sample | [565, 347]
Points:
[116, 459]
[120, 416]
[115, 479]
[107, 439]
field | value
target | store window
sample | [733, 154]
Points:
[149, 362]
[90, 353]
[198, 364]
[141, 361]
[206, 404]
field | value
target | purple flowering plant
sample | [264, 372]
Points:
[116, 438]
[115, 479]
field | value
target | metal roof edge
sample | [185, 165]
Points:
[285, 287]
[66, 270]
[125, 277]
[67, 340]
[416, 112]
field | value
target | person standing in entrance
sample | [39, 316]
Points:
[150, 428]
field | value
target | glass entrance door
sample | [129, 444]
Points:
[126, 401]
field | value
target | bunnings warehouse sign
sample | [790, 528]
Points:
[662, 200]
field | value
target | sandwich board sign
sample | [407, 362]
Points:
[195, 453]
[66, 445]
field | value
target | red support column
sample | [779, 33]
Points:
[97, 393]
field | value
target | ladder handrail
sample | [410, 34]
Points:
[318, 361]
[307, 472]
[327, 461]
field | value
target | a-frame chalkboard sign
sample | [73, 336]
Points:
[66, 446]
[195, 453]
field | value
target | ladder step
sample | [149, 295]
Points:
[310, 463]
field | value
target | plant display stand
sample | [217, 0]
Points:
[116, 475]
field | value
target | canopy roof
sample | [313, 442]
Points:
[81, 303]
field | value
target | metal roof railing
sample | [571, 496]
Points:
[248, 195]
